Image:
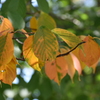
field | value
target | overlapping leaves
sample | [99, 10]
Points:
[43, 49]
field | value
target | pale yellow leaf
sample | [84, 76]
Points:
[28, 53]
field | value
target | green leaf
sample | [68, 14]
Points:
[43, 5]
[16, 20]
[47, 21]
[45, 44]
[71, 39]
[4, 8]
[18, 6]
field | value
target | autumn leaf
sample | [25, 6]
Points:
[76, 53]
[56, 69]
[71, 69]
[47, 21]
[71, 39]
[33, 24]
[8, 72]
[6, 25]
[91, 51]
[76, 63]
[45, 44]
[6, 49]
[29, 54]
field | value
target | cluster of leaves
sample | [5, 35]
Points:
[50, 47]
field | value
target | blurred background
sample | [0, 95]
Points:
[82, 17]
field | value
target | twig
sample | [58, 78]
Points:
[22, 59]
[64, 54]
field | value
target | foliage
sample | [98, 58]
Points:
[54, 52]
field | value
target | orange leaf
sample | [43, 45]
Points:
[29, 54]
[6, 25]
[8, 72]
[71, 69]
[91, 51]
[56, 69]
[6, 49]
[76, 53]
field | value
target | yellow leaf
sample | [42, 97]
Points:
[29, 54]
[33, 24]
[6, 49]
[56, 69]
[8, 72]
[91, 51]
[71, 39]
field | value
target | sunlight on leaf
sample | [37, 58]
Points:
[71, 39]
[29, 54]
[76, 63]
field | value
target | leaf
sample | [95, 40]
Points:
[6, 26]
[56, 69]
[71, 69]
[29, 54]
[6, 49]
[18, 6]
[76, 63]
[16, 20]
[33, 24]
[8, 72]
[45, 44]
[43, 5]
[47, 21]
[91, 51]
[71, 39]
[76, 53]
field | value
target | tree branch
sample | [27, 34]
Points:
[65, 54]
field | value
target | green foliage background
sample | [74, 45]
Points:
[72, 15]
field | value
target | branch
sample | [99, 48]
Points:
[22, 59]
[64, 54]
